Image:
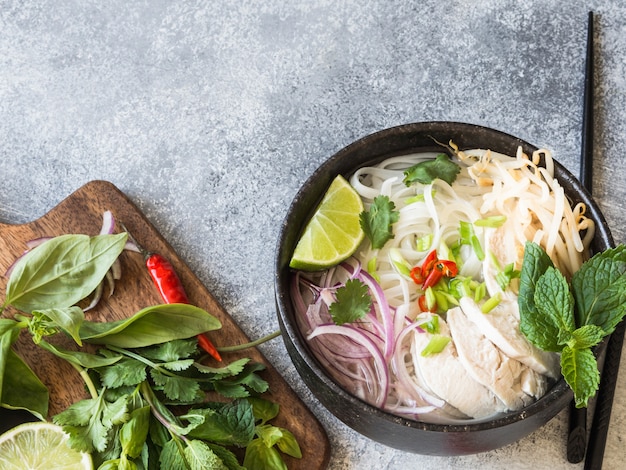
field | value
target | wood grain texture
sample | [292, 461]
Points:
[81, 212]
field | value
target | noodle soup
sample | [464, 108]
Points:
[441, 341]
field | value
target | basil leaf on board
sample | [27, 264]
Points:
[62, 271]
[152, 325]
[9, 331]
[535, 263]
[555, 307]
[600, 289]
[68, 319]
[22, 389]
[258, 455]
[80, 358]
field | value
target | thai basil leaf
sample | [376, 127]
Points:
[258, 455]
[264, 410]
[68, 319]
[62, 271]
[9, 331]
[80, 358]
[22, 389]
[600, 289]
[152, 325]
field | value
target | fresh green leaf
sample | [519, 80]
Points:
[378, 221]
[62, 271]
[68, 319]
[125, 372]
[263, 410]
[176, 388]
[134, 432]
[586, 336]
[80, 358]
[89, 421]
[9, 331]
[199, 456]
[229, 370]
[261, 457]
[600, 289]
[580, 370]
[229, 424]
[555, 307]
[21, 388]
[172, 456]
[152, 325]
[288, 444]
[226, 456]
[172, 350]
[352, 303]
[426, 172]
[536, 261]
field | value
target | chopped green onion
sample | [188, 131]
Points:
[423, 243]
[505, 276]
[412, 199]
[468, 237]
[371, 268]
[436, 344]
[431, 300]
[398, 261]
[491, 303]
[493, 221]
[432, 325]
[480, 292]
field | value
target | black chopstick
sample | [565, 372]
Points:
[577, 428]
[610, 369]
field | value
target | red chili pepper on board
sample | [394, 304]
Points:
[171, 289]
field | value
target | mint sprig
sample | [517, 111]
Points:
[572, 319]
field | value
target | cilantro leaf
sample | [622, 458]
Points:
[126, 371]
[171, 350]
[377, 222]
[353, 302]
[580, 370]
[426, 172]
[600, 289]
[555, 306]
[177, 388]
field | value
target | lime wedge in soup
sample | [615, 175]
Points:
[334, 232]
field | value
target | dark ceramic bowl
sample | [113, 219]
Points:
[401, 433]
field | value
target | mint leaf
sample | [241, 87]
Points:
[580, 370]
[377, 222]
[426, 172]
[600, 289]
[200, 456]
[536, 262]
[228, 424]
[586, 337]
[352, 303]
[555, 307]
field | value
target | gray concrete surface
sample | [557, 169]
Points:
[209, 115]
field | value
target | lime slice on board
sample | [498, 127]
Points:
[334, 232]
[40, 445]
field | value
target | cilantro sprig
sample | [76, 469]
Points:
[426, 172]
[378, 221]
[572, 319]
[352, 303]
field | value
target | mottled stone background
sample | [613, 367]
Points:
[209, 115]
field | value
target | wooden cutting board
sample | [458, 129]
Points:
[81, 212]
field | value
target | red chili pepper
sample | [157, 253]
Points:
[421, 302]
[433, 270]
[171, 289]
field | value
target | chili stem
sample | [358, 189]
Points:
[252, 344]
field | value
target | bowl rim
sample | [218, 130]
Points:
[559, 392]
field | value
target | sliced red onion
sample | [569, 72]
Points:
[108, 223]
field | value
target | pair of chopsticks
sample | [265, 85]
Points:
[577, 445]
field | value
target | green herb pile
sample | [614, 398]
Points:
[148, 407]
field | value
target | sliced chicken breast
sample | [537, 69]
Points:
[507, 378]
[445, 376]
[501, 327]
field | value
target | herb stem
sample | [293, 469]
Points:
[252, 344]
[88, 382]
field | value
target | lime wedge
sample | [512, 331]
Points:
[334, 232]
[40, 445]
